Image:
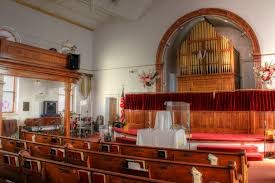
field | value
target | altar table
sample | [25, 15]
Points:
[172, 138]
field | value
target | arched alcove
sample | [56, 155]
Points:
[227, 24]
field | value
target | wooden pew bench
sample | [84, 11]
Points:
[152, 168]
[163, 169]
[182, 155]
[193, 156]
[29, 169]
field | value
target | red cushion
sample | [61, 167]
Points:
[228, 148]
[126, 140]
[227, 137]
[129, 131]
[254, 157]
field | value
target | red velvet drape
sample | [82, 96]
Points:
[246, 100]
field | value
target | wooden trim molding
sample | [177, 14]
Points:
[236, 19]
[22, 60]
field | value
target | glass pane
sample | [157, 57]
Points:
[61, 103]
[7, 102]
[61, 91]
[9, 83]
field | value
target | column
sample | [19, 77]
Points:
[1, 96]
[67, 122]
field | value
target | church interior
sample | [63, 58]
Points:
[137, 91]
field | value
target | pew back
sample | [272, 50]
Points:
[123, 164]
[47, 171]
[193, 156]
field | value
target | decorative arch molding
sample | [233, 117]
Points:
[236, 19]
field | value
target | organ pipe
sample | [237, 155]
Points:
[205, 52]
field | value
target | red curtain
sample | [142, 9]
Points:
[246, 100]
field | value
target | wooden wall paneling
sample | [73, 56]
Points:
[270, 119]
[135, 118]
[252, 117]
[251, 122]
[260, 118]
[150, 117]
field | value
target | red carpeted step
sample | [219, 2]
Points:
[254, 157]
[227, 137]
[126, 131]
[229, 148]
[125, 140]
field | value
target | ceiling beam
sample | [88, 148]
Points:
[36, 8]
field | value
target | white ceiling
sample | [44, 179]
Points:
[90, 13]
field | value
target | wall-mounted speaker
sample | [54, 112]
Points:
[73, 61]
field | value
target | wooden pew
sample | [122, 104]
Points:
[193, 156]
[8, 169]
[164, 169]
[29, 169]
[183, 155]
[152, 168]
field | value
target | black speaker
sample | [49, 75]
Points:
[73, 61]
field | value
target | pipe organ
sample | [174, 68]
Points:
[207, 61]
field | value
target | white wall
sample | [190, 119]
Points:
[29, 90]
[41, 30]
[123, 44]
[44, 31]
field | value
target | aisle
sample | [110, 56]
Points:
[261, 171]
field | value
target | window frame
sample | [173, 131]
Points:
[72, 95]
[14, 95]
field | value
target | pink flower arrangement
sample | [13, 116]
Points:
[148, 79]
[265, 73]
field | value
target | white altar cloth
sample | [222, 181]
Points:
[163, 120]
[162, 138]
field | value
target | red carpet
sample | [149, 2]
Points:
[261, 171]
[208, 136]
[251, 150]
[227, 137]
[128, 132]
[125, 140]
[229, 148]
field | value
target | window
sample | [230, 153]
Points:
[61, 100]
[8, 94]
